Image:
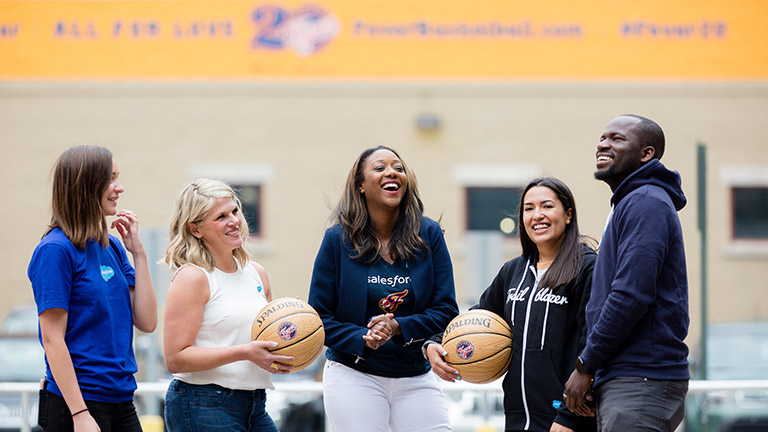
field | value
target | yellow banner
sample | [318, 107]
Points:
[384, 39]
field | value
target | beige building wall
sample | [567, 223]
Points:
[300, 139]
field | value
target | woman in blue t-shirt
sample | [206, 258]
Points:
[382, 283]
[89, 297]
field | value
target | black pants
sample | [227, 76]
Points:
[54, 415]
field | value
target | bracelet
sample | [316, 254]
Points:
[81, 411]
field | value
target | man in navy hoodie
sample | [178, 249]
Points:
[635, 360]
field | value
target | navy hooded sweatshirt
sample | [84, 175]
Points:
[637, 315]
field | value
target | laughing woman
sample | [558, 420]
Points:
[89, 298]
[382, 283]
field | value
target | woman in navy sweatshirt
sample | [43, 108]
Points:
[382, 284]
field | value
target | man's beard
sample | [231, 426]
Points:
[605, 174]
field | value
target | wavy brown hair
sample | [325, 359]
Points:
[567, 264]
[80, 176]
[351, 214]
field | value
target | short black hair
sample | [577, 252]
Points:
[650, 133]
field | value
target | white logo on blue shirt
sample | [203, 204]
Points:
[107, 273]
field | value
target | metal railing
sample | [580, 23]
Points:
[158, 389]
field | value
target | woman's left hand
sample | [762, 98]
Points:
[127, 224]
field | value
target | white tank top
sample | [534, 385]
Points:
[236, 299]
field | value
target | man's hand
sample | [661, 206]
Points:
[575, 394]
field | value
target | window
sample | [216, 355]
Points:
[250, 197]
[493, 209]
[748, 187]
[493, 194]
[750, 212]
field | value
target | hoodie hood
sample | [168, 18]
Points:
[654, 173]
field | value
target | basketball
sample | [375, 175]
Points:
[295, 326]
[479, 346]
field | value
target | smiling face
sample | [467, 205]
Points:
[545, 219]
[112, 193]
[384, 180]
[620, 151]
[220, 228]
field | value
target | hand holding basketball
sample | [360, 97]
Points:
[259, 352]
[478, 343]
[295, 327]
[435, 353]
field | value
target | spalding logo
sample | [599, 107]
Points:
[465, 350]
[286, 330]
[485, 322]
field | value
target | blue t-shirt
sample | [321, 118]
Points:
[92, 285]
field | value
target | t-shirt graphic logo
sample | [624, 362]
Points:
[390, 303]
[287, 330]
[107, 273]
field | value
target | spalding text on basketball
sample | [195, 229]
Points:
[282, 305]
[485, 322]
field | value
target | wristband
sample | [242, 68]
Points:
[81, 411]
[581, 367]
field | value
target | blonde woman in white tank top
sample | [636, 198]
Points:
[219, 374]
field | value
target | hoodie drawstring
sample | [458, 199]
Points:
[514, 301]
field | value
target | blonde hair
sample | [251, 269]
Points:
[193, 203]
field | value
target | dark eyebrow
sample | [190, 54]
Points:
[545, 201]
[382, 161]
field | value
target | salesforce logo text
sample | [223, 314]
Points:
[389, 281]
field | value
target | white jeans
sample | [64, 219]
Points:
[357, 402]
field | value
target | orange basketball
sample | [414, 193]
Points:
[295, 326]
[479, 346]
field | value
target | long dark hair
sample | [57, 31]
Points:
[80, 177]
[567, 264]
[351, 214]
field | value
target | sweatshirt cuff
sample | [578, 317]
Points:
[566, 418]
[588, 361]
[424, 347]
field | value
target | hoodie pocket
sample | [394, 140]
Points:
[542, 387]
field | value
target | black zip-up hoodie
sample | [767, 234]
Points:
[548, 332]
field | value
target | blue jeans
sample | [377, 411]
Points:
[201, 408]
[639, 404]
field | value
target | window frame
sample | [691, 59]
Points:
[514, 176]
[512, 214]
[743, 177]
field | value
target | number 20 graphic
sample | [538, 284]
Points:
[306, 30]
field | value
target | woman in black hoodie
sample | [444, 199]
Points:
[542, 295]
